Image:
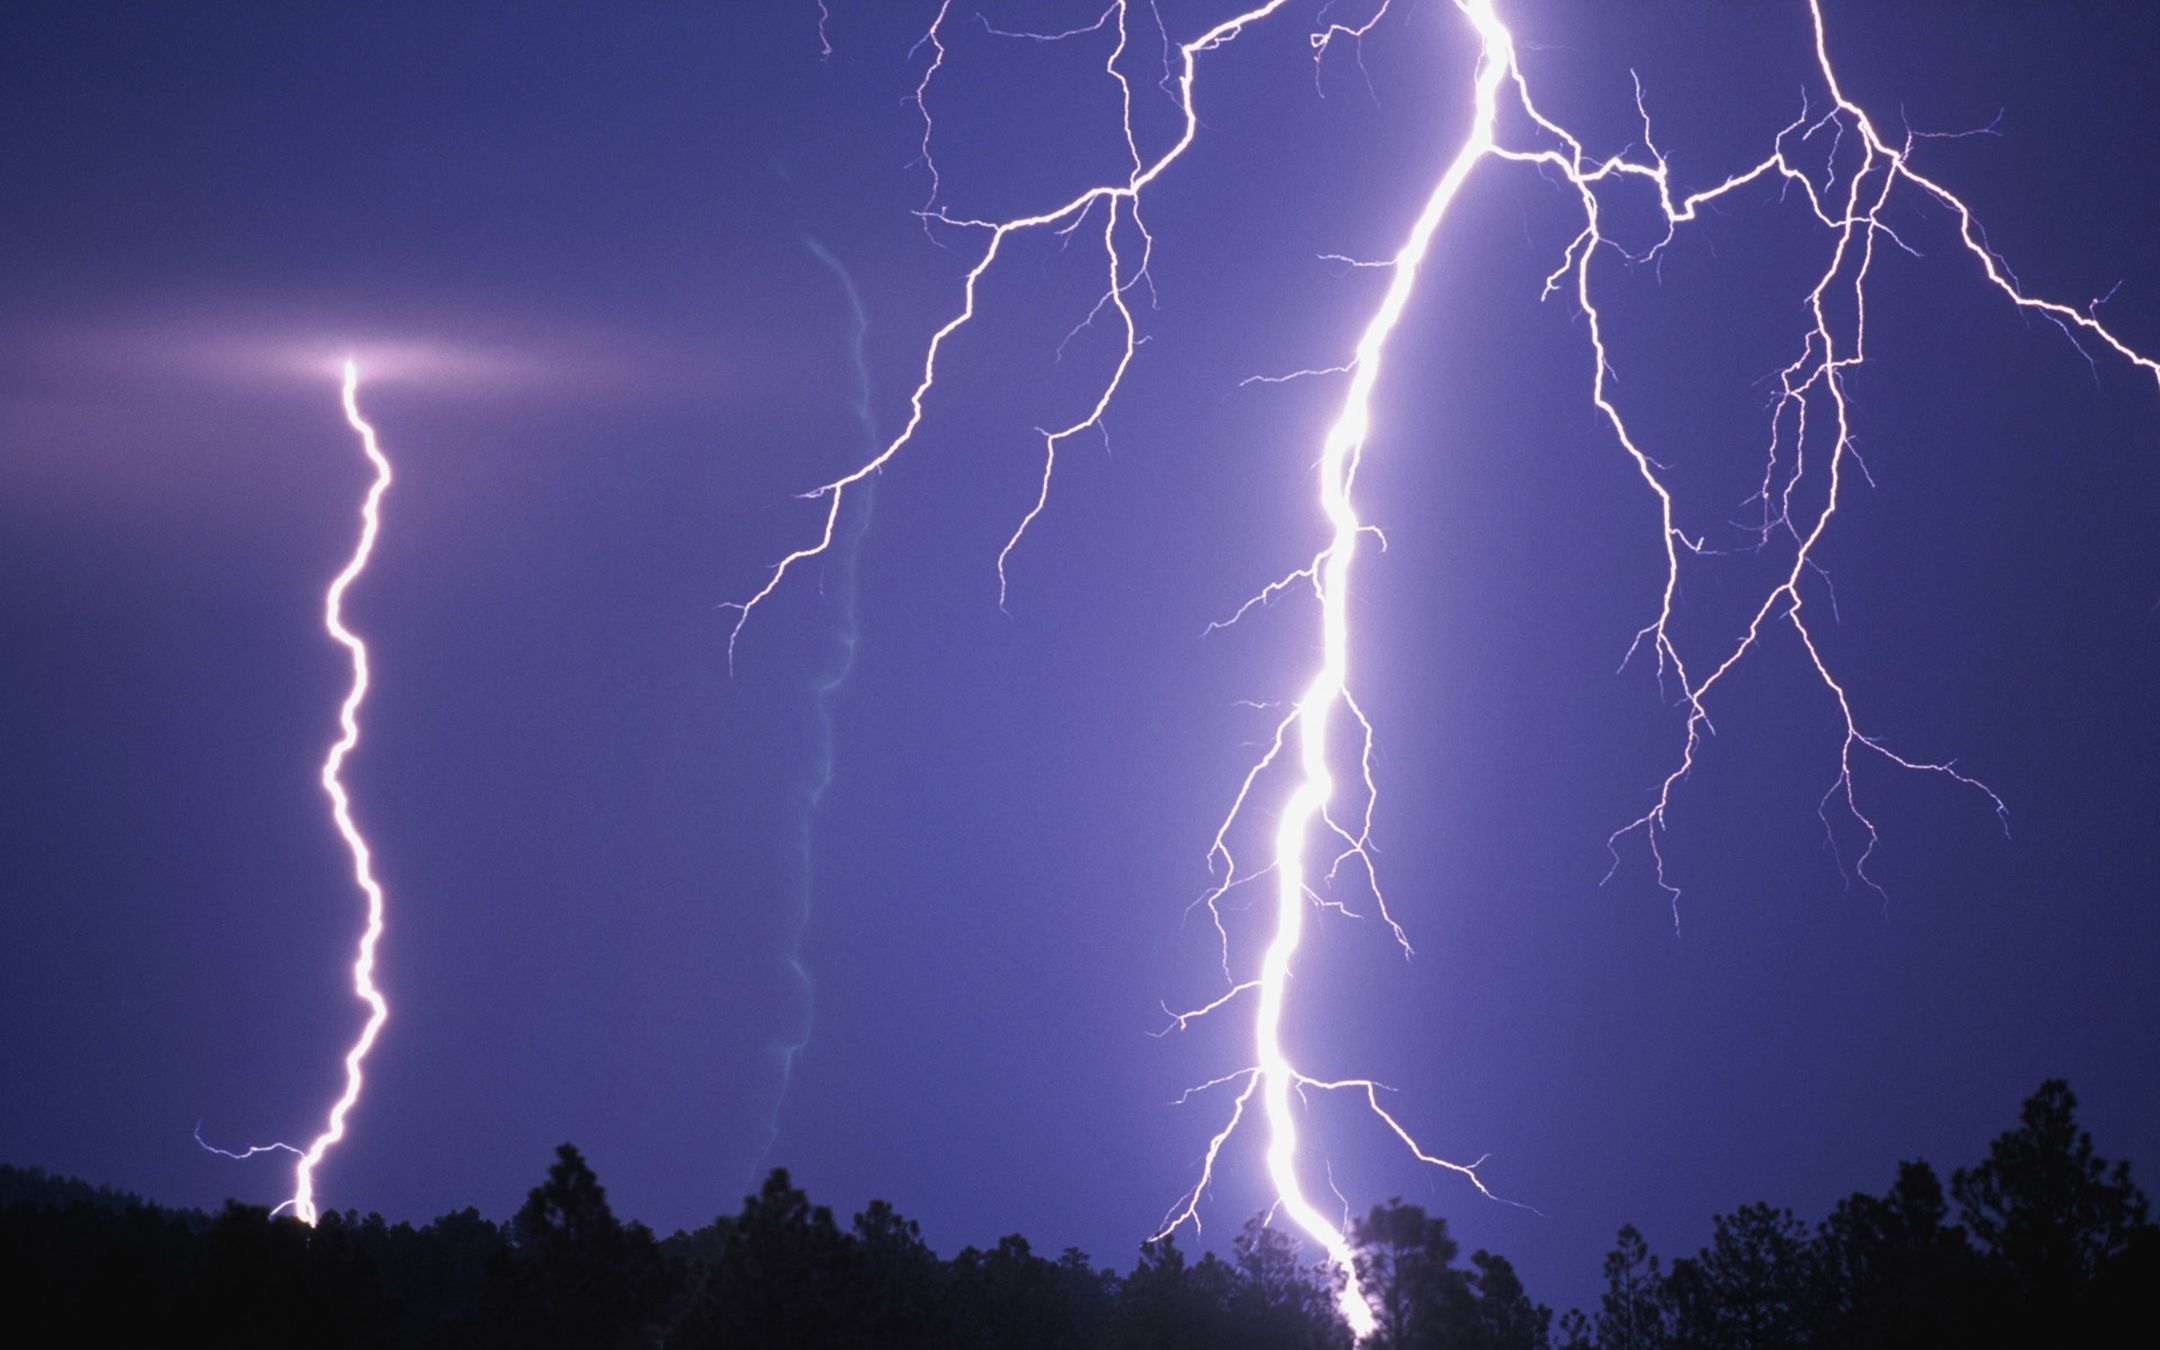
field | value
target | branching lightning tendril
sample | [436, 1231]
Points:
[1810, 391]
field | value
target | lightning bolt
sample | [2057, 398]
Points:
[302, 1202]
[1811, 392]
[1309, 723]
[363, 968]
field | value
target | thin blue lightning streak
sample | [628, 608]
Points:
[826, 685]
[1301, 742]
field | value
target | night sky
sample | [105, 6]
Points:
[596, 264]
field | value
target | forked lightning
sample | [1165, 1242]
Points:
[1809, 441]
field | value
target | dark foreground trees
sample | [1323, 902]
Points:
[2051, 1244]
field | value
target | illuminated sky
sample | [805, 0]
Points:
[570, 250]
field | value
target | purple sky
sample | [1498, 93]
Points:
[570, 247]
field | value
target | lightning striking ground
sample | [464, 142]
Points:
[1304, 759]
[363, 968]
[302, 1202]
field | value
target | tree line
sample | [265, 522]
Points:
[2051, 1245]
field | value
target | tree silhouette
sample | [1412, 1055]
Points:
[2043, 1203]
[580, 1276]
[1281, 1301]
[1165, 1301]
[1505, 1318]
[1008, 1298]
[898, 1282]
[1744, 1291]
[2059, 1251]
[1406, 1260]
[1888, 1271]
[2055, 1220]
[1632, 1313]
[784, 1275]
[275, 1281]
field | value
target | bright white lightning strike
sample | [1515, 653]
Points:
[302, 1202]
[363, 968]
[1814, 382]
[1309, 721]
